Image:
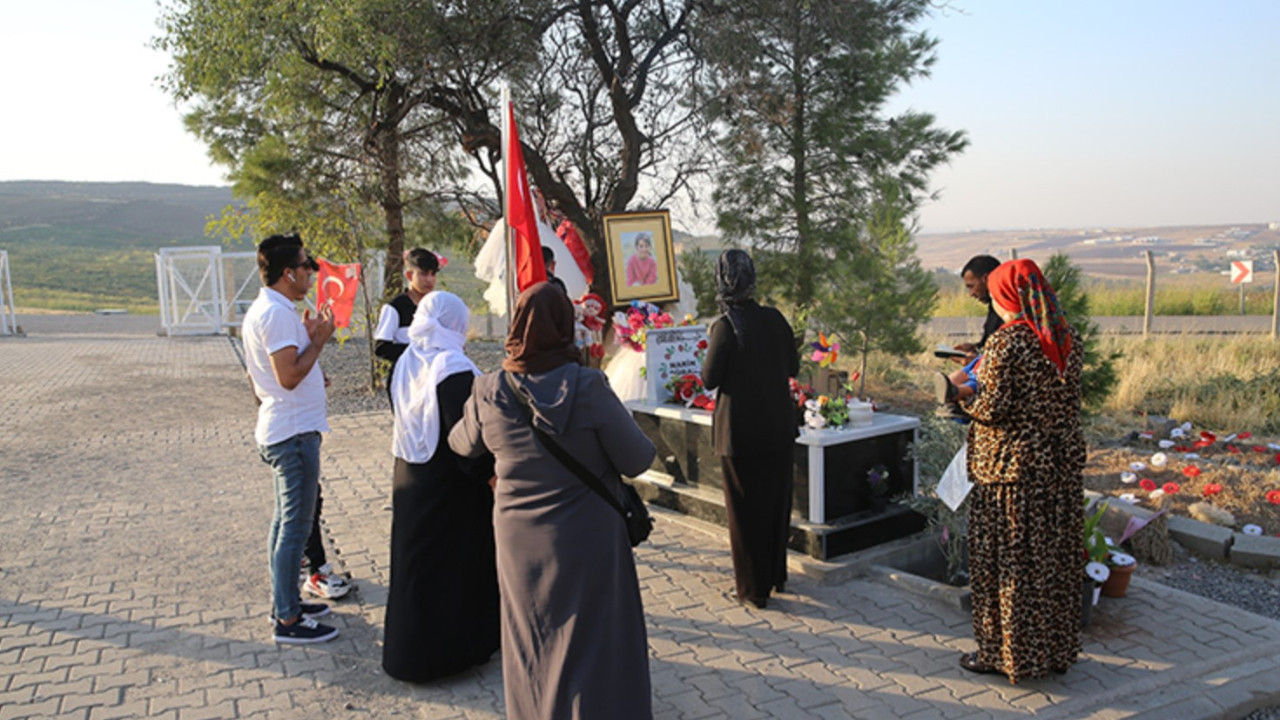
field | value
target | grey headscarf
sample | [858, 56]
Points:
[735, 290]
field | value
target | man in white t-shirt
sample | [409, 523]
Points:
[280, 350]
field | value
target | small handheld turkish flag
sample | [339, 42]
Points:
[337, 288]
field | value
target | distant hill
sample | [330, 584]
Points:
[1116, 253]
[82, 246]
[107, 215]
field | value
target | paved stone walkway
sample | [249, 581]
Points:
[133, 582]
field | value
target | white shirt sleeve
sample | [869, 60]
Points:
[282, 329]
[388, 324]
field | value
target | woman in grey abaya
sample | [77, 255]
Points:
[573, 635]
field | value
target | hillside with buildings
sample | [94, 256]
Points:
[1116, 253]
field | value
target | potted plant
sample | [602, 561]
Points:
[878, 488]
[1096, 550]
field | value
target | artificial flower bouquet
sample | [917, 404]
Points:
[878, 481]
[688, 390]
[837, 411]
[1101, 554]
[631, 327]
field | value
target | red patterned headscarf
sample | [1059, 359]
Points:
[1019, 286]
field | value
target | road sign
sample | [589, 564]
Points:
[1241, 271]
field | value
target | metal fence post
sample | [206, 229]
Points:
[1151, 294]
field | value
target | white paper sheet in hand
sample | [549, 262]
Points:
[954, 486]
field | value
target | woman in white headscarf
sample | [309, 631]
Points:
[442, 608]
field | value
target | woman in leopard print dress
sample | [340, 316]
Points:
[1026, 458]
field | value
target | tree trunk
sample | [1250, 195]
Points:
[392, 209]
[862, 374]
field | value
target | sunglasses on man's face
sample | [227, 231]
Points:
[310, 262]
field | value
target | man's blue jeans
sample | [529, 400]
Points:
[295, 465]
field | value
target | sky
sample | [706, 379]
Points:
[1080, 113]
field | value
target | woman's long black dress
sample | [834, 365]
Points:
[442, 608]
[754, 430]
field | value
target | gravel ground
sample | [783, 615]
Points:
[348, 369]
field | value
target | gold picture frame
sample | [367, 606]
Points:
[637, 272]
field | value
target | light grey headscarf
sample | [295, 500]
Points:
[735, 290]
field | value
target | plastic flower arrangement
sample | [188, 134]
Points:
[800, 394]
[827, 412]
[631, 327]
[878, 480]
[688, 390]
[1096, 547]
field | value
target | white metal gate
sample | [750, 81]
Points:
[189, 281]
[8, 320]
[205, 291]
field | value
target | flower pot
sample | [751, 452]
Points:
[1118, 582]
[878, 503]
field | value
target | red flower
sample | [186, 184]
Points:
[1273, 497]
[1207, 436]
[702, 345]
[1278, 457]
[1171, 488]
[1183, 448]
[1191, 471]
[597, 350]
[1211, 489]
[1147, 484]
[1232, 449]
[1244, 435]
[1259, 448]
[705, 403]
[1203, 444]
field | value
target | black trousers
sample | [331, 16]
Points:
[314, 551]
[757, 496]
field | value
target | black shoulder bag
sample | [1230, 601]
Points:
[631, 508]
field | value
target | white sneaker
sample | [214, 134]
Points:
[324, 583]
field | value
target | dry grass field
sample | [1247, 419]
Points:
[1221, 385]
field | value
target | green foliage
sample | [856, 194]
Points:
[1175, 295]
[938, 442]
[1095, 541]
[879, 294]
[799, 91]
[1099, 374]
[698, 269]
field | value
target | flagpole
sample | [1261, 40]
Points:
[506, 205]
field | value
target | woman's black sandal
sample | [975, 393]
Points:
[969, 661]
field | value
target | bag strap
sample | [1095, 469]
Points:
[565, 458]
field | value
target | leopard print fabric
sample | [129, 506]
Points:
[1026, 524]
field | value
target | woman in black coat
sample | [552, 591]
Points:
[751, 354]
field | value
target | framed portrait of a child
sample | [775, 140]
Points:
[642, 263]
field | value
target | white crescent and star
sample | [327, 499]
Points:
[332, 279]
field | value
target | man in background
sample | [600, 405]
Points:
[549, 260]
[963, 383]
[280, 351]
